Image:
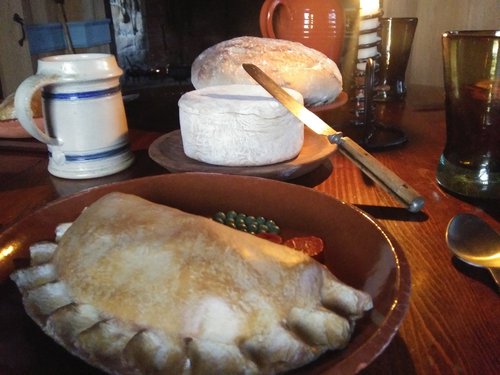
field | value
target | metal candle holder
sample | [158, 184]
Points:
[364, 128]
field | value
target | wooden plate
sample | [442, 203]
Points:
[338, 102]
[167, 151]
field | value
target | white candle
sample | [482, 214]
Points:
[364, 53]
[361, 66]
[368, 7]
[368, 38]
[369, 24]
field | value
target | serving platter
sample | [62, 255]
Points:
[168, 152]
[357, 250]
[338, 102]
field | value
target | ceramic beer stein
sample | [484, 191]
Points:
[317, 24]
[85, 124]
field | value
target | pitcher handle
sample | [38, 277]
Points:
[266, 17]
[24, 112]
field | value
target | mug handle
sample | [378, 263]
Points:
[22, 103]
[266, 17]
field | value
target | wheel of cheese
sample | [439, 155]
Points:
[290, 64]
[238, 125]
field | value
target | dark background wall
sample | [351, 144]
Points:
[178, 30]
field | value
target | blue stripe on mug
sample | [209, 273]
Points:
[81, 95]
[96, 156]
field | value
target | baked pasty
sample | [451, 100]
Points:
[134, 287]
[290, 64]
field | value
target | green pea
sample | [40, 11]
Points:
[219, 215]
[262, 228]
[253, 228]
[246, 223]
[250, 220]
[274, 229]
[261, 220]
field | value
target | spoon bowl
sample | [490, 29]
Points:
[475, 242]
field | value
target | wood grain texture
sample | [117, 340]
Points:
[168, 152]
[452, 326]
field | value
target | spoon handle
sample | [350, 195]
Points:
[495, 272]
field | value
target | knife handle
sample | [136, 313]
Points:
[382, 175]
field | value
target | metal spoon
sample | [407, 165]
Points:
[475, 242]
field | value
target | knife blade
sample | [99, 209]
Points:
[378, 172]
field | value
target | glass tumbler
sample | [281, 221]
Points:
[397, 38]
[470, 162]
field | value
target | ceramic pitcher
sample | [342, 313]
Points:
[317, 24]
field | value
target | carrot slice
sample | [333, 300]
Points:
[311, 245]
[271, 237]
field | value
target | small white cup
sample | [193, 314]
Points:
[85, 124]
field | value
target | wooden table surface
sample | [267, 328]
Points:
[452, 325]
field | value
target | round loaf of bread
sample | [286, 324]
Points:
[8, 111]
[238, 125]
[290, 64]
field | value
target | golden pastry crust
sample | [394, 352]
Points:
[135, 287]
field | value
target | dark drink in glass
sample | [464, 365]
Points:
[470, 163]
[397, 38]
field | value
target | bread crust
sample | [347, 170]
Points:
[8, 110]
[290, 64]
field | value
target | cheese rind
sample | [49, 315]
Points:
[238, 125]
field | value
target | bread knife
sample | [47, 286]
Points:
[378, 172]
